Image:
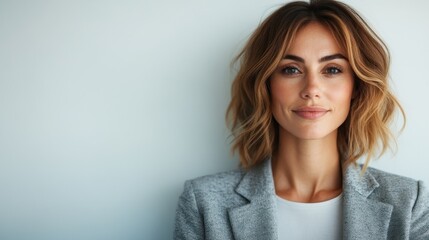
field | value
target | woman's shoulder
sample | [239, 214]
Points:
[218, 182]
[395, 186]
[387, 178]
[212, 193]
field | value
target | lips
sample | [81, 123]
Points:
[310, 112]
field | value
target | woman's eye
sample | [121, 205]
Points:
[291, 70]
[332, 70]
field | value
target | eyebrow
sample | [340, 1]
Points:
[323, 59]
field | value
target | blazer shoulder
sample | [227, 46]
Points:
[203, 201]
[219, 182]
[395, 188]
[386, 179]
[410, 199]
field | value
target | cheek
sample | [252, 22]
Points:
[343, 89]
[279, 100]
[276, 94]
[349, 91]
[281, 93]
[343, 96]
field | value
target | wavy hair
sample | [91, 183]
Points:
[366, 130]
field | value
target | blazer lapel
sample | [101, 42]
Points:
[363, 217]
[257, 218]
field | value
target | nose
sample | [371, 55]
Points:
[311, 88]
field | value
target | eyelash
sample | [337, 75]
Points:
[338, 70]
[325, 70]
[289, 68]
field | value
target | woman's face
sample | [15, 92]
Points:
[312, 86]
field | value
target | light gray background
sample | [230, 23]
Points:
[106, 107]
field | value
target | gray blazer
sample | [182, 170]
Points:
[242, 205]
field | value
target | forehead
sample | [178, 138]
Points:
[314, 39]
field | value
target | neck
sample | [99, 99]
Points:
[307, 170]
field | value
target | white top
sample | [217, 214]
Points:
[322, 220]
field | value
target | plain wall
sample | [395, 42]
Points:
[107, 107]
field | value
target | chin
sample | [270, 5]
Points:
[313, 135]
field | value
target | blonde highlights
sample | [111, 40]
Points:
[366, 130]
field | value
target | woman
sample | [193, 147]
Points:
[310, 99]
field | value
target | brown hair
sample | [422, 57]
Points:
[366, 129]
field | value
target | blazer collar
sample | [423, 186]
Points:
[363, 217]
[363, 184]
[257, 182]
[257, 219]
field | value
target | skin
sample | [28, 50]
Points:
[311, 91]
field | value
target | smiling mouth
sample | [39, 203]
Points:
[310, 113]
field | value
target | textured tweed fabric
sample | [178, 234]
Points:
[241, 205]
